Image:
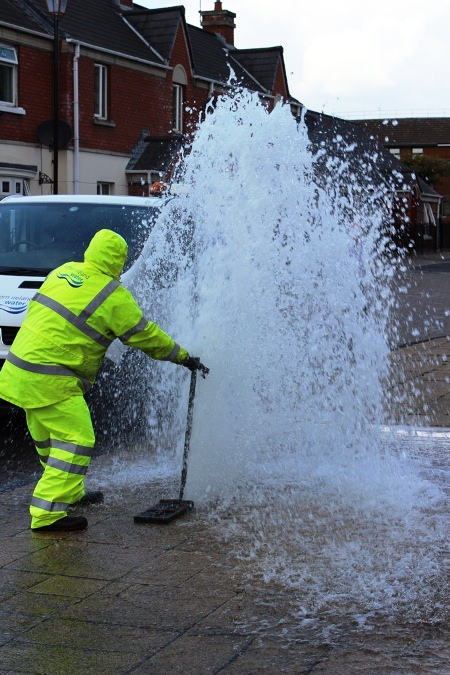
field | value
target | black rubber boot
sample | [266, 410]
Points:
[66, 524]
[89, 498]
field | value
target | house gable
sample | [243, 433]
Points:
[266, 66]
[159, 27]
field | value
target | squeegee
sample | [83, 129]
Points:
[167, 510]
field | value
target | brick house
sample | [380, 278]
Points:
[362, 160]
[132, 81]
[430, 137]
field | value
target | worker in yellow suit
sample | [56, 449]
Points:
[77, 313]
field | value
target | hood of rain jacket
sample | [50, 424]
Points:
[107, 251]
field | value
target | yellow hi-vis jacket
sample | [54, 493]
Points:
[77, 313]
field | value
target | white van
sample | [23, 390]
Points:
[38, 234]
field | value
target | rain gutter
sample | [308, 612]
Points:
[76, 123]
[227, 86]
[96, 48]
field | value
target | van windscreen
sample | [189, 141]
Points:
[35, 238]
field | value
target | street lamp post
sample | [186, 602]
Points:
[57, 8]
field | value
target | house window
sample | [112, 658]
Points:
[100, 91]
[177, 122]
[11, 186]
[179, 80]
[428, 214]
[395, 151]
[104, 189]
[8, 75]
[429, 219]
[417, 151]
[446, 206]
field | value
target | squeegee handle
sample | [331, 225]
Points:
[187, 437]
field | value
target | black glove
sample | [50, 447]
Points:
[193, 363]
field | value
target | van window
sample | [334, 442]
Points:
[36, 238]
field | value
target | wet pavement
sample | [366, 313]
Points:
[165, 599]
[124, 598]
[420, 384]
[420, 361]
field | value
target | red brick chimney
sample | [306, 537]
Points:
[220, 21]
[125, 4]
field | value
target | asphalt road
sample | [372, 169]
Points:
[423, 295]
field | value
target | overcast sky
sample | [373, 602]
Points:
[351, 58]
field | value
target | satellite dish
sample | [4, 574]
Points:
[45, 133]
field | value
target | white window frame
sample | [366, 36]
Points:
[179, 82]
[104, 188]
[9, 65]
[429, 219]
[177, 121]
[100, 91]
[10, 185]
[428, 214]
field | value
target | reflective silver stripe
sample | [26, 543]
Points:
[41, 444]
[46, 370]
[133, 331]
[75, 449]
[48, 506]
[77, 321]
[173, 354]
[55, 306]
[92, 307]
[68, 467]
[99, 299]
[94, 334]
[39, 367]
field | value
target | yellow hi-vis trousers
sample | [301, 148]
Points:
[64, 438]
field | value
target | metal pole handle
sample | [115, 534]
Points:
[187, 437]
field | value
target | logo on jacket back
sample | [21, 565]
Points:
[72, 279]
